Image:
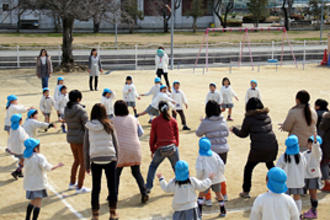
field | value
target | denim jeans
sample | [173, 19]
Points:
[156, 161]
[44, 81]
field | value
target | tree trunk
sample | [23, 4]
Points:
[57, 23]
[286, 17]
[166, 23]
[194, 24]
[96, 26]
[67, 57]
[18, 26]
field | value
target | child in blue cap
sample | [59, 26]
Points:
[46, 104]
[313, 157]
[275, 204]
[253, 91]
[16, 140]
[207, 163]
[12, 107]
[60, 104]
[183, 186]
[294, 164]
[107, 99]
[57, 92]
[31, 125]
[35, 180]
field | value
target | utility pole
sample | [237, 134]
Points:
[321, 24]
[172, 32]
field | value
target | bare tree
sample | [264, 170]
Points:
[197, 10]
[130, 13]
[221, 9]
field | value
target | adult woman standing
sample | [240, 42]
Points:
[100, 153]
[164, 142]
[161, 62]
[301, 120]
[76, 117]
[129, 148]
[44, 67]
[264, 147]
[94, 69]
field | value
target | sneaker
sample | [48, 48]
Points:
[229, 119]
[225, 198]
[208, 203]
[14, 174]
[144, 198]
[72, 186]
[82, 190]
[20, 174]
[244, 195]
[310, 214]
[186, 128]
[223, 212]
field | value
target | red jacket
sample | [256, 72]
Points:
[163, 133]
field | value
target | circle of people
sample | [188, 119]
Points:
[109, 141]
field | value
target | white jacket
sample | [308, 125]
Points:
[32, 125]
[208, 165]
[108, 103]
[14, 109]
[46, 104]
[227, 94]
[129, 93]
[153, 91]
[162, 63]
[16, 140]
[61, 103]
[35, 172]
[180, 98]
[272, 206]
[214, 96]
[57, 92]
[162, 97]
[250, 93]
[185, 196]
[313, 159]
[295, 172]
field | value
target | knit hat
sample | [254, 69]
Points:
[181, 170]
[162, 87]
[106, 90]
[292, 145]
[205, 147]
[157, 80]
[60, 78]
[160, 52]
[30, 144]
[318, 139]
[45, 89]
[176, 82]
[254, 81]
[276, 180]
[31, 112]
[15, 119]
[11, 98]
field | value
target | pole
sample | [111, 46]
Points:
[136, 57]
[304, 59]
[207, 53]
[18, 58]
[172, 33]
[116, 34]
[321, 24]
[272, 50]
[59, 55]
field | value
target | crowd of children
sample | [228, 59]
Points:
[295, 172]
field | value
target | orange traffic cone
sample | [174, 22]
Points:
[325, 58]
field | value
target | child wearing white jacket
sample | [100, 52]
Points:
[227, 93]
[57, 92]
[31, 125]
[209, 162]
[130, 94]
[35, 180]
[46, 104]
[294, 164]
[313, 157]
[253, 91]
[184, 187]
[181, 101]
[60, 105]
[213, 94]
[12, 107]
[107, 99]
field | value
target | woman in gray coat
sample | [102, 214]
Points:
[94, 69]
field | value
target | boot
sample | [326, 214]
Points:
[95, 214]
[113, 214]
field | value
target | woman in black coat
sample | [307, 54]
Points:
[264, 145]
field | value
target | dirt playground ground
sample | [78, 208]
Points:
[278, 91]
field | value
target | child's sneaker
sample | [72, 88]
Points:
[208, 203]
[186, 128]
[82, 190]
[20, 174]
[229, 119]
[72, 186]
[14, 174]
[225, 198]
[310, 214]
[223, 211]
[244, 195]
[63, 128]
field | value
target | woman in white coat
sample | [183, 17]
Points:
[94, 69]
[161, 62]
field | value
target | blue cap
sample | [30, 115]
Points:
[292, 145]
[276, 180]
[162, 87]
[30, 144]
[254, 81]
[205, 147]
[15, 119]
[45, 89]
[318, 139]
[157, 80]
[31, 112]
[181, 170]
[176, 82]
[11, 98]
[106, 90]
[60, 78]
[160, 52]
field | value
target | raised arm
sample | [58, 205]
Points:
[244, 131]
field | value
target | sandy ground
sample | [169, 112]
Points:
[277, 88]
[150, 38]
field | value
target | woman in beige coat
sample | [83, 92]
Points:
[44, 67]
[301, 120]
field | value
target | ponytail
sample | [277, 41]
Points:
[308, 114]
[304, 97]
[163, 108]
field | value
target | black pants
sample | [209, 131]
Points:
[95, 82]
[136, 174]
[249, 166]
[159, 73]
[110, 173]
[223, 156]
[182, 116]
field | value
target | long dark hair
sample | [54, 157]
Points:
[43, 50]
[74, 95]
[304, 97]
[94, 49]
[287, 158]
[180, 183]
[163, 108]
[121, 108]
[212, 109]
[100, 113]
[253, 104]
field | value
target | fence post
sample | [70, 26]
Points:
[304, 58]
[59, 55]
[18, 58]
[136, 57]
[240, 54]
[230, 67]
[272, 50]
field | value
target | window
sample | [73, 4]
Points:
[156, 8]
[5, 7]
[207, 6]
